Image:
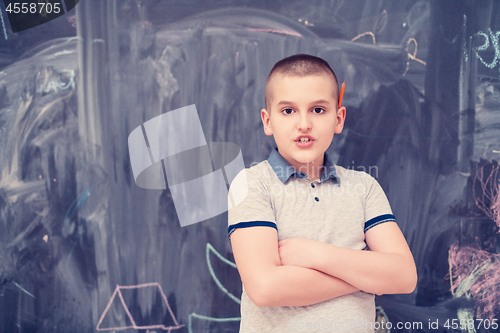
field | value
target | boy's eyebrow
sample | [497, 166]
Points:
[321, 101]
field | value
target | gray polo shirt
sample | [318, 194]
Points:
[337, 209]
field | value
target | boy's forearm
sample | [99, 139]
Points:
[299, 286]
[373, 272]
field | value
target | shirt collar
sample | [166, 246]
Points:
[284, 170]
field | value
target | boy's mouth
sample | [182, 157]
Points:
[304, 139]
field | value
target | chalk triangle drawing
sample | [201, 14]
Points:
[160, 316]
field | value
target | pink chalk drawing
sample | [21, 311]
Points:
[476, 274]
[118, 291]
[489, 198]
[72, 20]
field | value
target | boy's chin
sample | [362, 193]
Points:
[307, 159]
[303, 157]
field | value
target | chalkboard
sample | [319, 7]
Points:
[83, 248]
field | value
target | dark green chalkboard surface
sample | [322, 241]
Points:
[83, 248]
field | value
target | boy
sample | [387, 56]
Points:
[299, 237]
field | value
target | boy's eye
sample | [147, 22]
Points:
[318, 110]
[287, 111]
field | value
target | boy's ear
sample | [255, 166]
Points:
[266, 121]
[340, 120]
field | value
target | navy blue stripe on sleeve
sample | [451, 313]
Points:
[378, 220]
[233, 227]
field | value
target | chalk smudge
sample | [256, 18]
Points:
[476, 274]
[488, 200]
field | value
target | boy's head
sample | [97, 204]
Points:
[298, 65]
[302, 111]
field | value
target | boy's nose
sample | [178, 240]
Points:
[304, 122]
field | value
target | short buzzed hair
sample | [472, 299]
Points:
[299, 65]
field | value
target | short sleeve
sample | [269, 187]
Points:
[249, 201]
[377, 207]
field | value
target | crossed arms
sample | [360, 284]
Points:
[300, 272]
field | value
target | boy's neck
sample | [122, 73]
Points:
[314, 172]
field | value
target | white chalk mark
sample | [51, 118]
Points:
[337, 8]
[65, 52]
[381, 22]
[57, 85]
[486, 42]
[3, 26]
[73, 38]
[494, 41]
[464, 41]
[219, 320]
[27, 292]
[291, 33]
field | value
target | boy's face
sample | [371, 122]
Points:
[303, 117]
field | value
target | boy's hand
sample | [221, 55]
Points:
[297, 251]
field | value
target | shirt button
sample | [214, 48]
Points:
[312, 185]
[316, 198]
